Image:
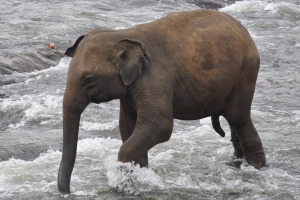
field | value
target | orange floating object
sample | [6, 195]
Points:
[51, 46]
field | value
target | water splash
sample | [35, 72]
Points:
[132, 179]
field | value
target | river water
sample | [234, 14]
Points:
[195, 164]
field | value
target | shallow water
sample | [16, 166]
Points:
[195, 164]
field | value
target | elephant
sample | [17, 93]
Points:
[186, 65]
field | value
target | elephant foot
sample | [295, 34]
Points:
[143, 161]
[257, 160]
[125, 157]
[238, 152]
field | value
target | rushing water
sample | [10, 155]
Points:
[195, 164]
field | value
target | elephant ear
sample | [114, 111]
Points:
[130, 57]
[71, 51]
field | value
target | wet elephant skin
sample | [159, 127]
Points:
[187, 65]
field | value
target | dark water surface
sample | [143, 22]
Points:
[194, 164]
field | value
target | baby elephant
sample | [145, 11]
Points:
[187, 65]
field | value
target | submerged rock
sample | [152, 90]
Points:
[29, 61]
[211, 4]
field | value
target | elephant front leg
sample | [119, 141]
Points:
[127, 123]
[135, 148]
[153, 126]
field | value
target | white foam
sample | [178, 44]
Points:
[161, 155]
[19, 176]
[132, 179]
[35, 105]
[182, 180]
[38, 108]
[245, 7]
[283, 8]
[252, 6]
[97, 169]
[94, 126]
[99, 146]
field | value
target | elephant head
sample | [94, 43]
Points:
[101, 70]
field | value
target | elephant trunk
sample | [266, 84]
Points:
[71, 119]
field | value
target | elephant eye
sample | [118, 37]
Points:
[89, 80]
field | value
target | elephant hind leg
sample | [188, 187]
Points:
[247, 143]
[245, 138]
[238, 152]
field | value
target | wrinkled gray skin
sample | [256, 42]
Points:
[188, 65]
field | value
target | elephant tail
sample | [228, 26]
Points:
[216, 125]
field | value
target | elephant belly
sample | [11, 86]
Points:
[193, 108]
[202, 94]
